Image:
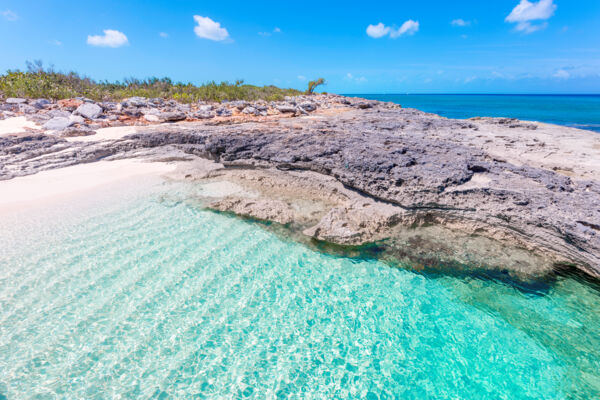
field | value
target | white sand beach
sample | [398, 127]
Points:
[16, 125]
[46, 186]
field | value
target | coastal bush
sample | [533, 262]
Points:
[38, 82]
[312, 85]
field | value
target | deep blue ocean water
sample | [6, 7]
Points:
[578, 111]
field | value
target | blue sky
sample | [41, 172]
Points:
[499, 46]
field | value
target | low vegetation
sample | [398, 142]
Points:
[312, 85]
[39, 82]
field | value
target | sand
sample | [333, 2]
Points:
[15, 125]
[113, 133]
[47, 186]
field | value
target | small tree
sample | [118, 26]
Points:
[312, 85]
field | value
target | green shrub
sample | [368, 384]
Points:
[38, 82]
[312, 85]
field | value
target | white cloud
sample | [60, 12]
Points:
[55, 42]
[377, 31]
[562, 74]
[460, 22]
[357, 79]
[301, 77]
[163, 34]
[470, 79]
[428, 80]
[209, 29]
[111, 38]
[526, 11]
[275, 30]
[9, 15]
[409, 27]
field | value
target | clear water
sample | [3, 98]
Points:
[147, 296]
[578, 111]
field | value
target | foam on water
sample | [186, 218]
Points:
[144, 296]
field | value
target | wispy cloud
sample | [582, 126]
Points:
[357, 79]
[301, 78]
[460, 22]
[275, 30]
[163, 35]
[409, 28]
[9, 15]
[206, 28]
[111, 38]
[561, 74]
[526, 12]
[55, 42]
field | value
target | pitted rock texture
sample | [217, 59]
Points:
[462, 174]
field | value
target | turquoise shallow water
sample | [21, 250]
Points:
[142, 295]
[578, 111]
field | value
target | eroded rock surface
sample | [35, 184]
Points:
[383, 173]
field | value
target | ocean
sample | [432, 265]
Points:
[138, 292]
[577, 111]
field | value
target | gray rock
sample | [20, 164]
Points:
[308, 106]
[224, 112]
[89, 110]
[15, 100]
[9, 107]
[27, 109]
[59, 113]
[58, 124]
[239, 104]
[77, 131]
[135, 102]
[173, 116]
[132, 112]
[38, 118]
[77, 119]
[286, 108]
[250, 110]
[40, 103]
[203, 115]
[150, 111]
[152, 117]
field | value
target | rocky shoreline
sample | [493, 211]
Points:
[492, 193]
